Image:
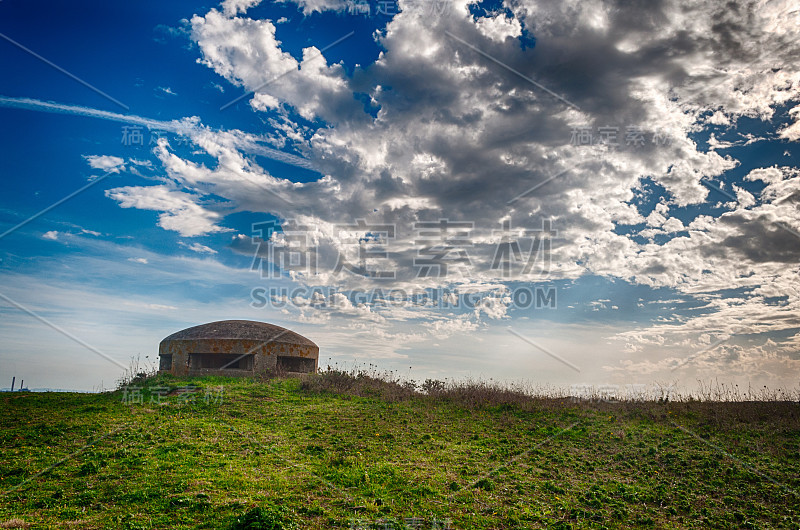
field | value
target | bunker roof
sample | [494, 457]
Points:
[241, 329]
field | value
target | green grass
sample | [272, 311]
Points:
[274, 454]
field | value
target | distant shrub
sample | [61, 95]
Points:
[138, 371]
[362, 382]
[433, 386]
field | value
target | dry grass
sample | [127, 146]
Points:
[361, 382]
[712, 403]
[138, 371]
[15, 523]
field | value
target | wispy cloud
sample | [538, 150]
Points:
[187, 127]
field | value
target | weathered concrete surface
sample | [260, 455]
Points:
[233, 341]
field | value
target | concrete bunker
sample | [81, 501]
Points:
[236, 348]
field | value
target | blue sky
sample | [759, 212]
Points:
[660, 142]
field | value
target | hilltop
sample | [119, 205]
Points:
[341, 450]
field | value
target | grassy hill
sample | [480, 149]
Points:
[338, 451]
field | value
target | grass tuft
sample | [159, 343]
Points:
[259, 518]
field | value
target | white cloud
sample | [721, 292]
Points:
[181, 212]
[311, 6]
[52, 235]
[494, 307]
[197, 247]
[246, 53]
[673, 224]
[107, 163]
[744, 197]
[499, 27]
[234, 7]
[445, 123]
[186, 127]
[443, 328]
[792, 132]
[150, 306]
[161, 307]
[143, 261]
[166, 90]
